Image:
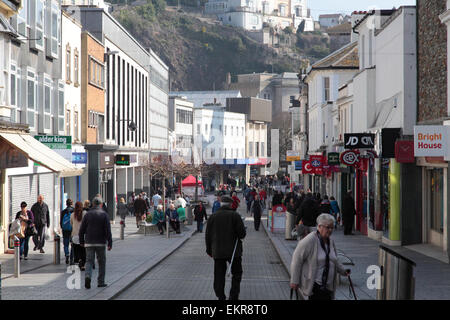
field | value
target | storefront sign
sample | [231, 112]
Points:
[404, 151]
[333, 158]
[292, 155]
[317, 162]
[106, 160]
[430, 141]
[298, 165]
[350, 158]
[359, 140]
[306, 167]
[79, 157]
[123, 159]
[60, 144]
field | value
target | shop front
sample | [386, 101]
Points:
[29, 168]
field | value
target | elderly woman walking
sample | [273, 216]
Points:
[314, 265]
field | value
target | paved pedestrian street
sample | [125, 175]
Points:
[188, 274]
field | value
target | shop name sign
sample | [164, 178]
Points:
[430, 141]
[123, 159]
[359, 140]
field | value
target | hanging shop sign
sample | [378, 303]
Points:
[306, 167]
[60, 144]
[123, 159]
[317, 162]
[359, 140]
[404, 151]
[79, 157]
[298, 165]
[350, 158]
[430, 141]
[333, 158]
[292, 155]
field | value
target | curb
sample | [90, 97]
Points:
[283, 254]
[122, 284]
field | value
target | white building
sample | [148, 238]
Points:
[203, 99]
[181, 113]
[159, 101]
[219, 138]
[251, 14]
[330, 20]
[71, 75]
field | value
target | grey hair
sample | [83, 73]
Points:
[325, 218]
[159, 207]
[97, 201]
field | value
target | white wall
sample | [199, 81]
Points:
[71, 35]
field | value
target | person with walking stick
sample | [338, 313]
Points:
[224, 233]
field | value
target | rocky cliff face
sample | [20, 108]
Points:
[199, 53]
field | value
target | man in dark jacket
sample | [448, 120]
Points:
[348, 213]
[95, 236]
[257, 211]
[140, 209]
[224, 232]
[308, 212]
[41, 221]
[199, 215]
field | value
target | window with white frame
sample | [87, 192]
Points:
[22, 19]
[31, 98]
[198, 129]
[47, 102]
[326, 89]
[56, 27]
[206, 129]
[262, 150]
[76, 62]
[250, 149]
[61, 107]
[39, 23]
[225, 132]
[68, 121]
[75, 126]
[14, 91]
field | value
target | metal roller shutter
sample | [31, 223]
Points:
[22, 188]
[47, 189]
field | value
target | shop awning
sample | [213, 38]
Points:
[40, 153]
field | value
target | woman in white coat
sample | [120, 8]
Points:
[314, 265]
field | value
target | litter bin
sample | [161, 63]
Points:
[290, 223]
[397, 276]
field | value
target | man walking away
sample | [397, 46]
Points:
[348, 213]
[257, 211]
[224, 228]
[156, 199]
[308, 213]
[216, 204]
[66, 227]
[140, 209]
[95, 236]
[41, 221]
[199, 214]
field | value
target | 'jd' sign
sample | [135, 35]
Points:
[359, 140]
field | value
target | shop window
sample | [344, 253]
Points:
[436, 200]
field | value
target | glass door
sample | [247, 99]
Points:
[435, 202]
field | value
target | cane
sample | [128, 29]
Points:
[232, 258]
[351, 287]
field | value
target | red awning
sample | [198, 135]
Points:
[190, 182]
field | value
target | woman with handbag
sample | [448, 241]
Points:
[27, 221]
[79, 252]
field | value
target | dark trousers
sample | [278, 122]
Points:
[66, 241]
[91, 252]
[220, 268]
[39, 239]
[257, 220]
[175, 225]
[199, 226]
[320, 294]
[348, 224]
[24, 246]
[79, 255]
[161, 226]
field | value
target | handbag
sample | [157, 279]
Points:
[16, 229]
[31, 230]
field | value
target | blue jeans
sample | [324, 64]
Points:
[101, 258]
[24, 246]
[66, 241]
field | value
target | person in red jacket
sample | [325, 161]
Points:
[263, 197]
[236, 201]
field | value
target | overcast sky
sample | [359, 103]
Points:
[319, 7]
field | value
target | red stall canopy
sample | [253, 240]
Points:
[190, 182]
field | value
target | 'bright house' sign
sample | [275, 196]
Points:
[430, 141]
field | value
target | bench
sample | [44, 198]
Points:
[148, 228]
